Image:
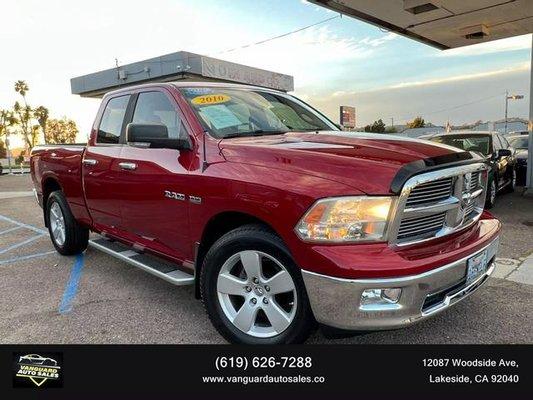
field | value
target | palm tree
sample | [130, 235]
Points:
[41, 114]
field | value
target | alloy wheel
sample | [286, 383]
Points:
[257, 294]
[57, 224]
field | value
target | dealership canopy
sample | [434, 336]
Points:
[182, 66]
[448, 24]
[444, 24]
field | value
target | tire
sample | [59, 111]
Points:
[512, 184]
[75, 237]
[492, 191]
[224, 258]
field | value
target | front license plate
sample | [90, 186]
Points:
[476, 266]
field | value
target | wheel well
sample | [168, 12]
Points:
[217, 227]
[49, 185]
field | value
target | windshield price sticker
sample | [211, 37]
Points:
[210, 99]
[472, 371]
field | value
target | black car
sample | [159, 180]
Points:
[496, 150]
[520, 144]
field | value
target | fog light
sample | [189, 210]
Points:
[380, 296]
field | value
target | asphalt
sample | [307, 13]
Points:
[117, 303]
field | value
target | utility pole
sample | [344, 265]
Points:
[392, 122]
[507, 98]
[506, 107]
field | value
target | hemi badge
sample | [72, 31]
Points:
[195, 199]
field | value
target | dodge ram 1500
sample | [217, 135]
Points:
[281, 220]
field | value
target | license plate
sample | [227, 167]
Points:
[476, 265]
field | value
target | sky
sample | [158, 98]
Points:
[341, 62]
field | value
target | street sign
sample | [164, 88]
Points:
[347, 116]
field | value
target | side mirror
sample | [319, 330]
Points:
[504, 153]
[154, 136]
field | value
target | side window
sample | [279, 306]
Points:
[156, 108]
[112, 119]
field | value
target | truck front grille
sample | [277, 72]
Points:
[439, 203]
[430, 192]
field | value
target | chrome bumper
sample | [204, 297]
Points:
[336, 302]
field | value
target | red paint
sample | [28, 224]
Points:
[275, 179]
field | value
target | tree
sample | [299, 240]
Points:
[60, 131]
[377, 126]
[7, 120]
[3, 152]
[41, 114]
[25, 116]
[418, 122]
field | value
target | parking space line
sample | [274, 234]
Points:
[21, 258]
[10, 230]
[72, 285]
[21, 224]
[24, 242]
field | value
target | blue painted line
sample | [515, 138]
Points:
[30, 227]
[72, 285]
[10, 230]
[21, 258]
[24, 242]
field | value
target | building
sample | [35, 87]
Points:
[513, 125]
[417, 132]
[183, 66]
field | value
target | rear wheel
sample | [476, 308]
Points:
[253, 291]
[68, 237]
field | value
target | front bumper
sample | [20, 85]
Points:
[336, 302]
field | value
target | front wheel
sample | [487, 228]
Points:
[67, 235]
[253, 291]
[491, 193]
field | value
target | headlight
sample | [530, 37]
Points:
[346, 219]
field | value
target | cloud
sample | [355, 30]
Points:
[449, 79]
[459, 99]
[498, 46]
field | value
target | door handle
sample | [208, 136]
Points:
[127, 165]
[89, 161]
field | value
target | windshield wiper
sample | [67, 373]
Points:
[258, 132]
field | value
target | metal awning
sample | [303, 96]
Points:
[444, 24]
[178, 66]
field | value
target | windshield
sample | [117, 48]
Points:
[519, 142]
[478, 143]
[233, 112]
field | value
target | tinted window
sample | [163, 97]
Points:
[477, 143]
[156, 108]
[520, 142]
[112, 119]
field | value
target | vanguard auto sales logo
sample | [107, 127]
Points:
[37, 370]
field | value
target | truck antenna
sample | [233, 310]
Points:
[205, 164]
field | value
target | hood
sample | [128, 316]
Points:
[521, 154]
[366, 162]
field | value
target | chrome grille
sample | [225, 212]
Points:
[423, 225]
[430, 192]
[439, 203]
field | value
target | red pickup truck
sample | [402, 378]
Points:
[281, 220]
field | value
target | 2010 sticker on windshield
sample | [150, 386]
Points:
[210, 99]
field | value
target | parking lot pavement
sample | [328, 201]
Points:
[48, 298]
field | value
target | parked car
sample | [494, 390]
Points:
[520, 144]
[497, 152]
[279, 219]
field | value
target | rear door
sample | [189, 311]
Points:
[155, 196]
[100, 170]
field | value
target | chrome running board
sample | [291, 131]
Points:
[154, 265]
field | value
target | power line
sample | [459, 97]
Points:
[280, 36]
[456, 107]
